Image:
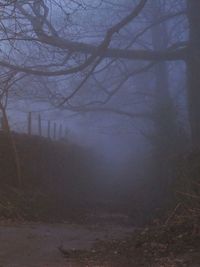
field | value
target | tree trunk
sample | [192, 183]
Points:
[164, 110]
[13, 146]
[167, 141]
[193, 69]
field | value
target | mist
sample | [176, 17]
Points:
[100, 127]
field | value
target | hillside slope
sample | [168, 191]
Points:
[53, 172]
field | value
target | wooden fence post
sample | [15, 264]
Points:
[49, 129]
[60, 131]
[66, 132]
[29, 123]
[2, 124]
[54, 131]
[39, 125]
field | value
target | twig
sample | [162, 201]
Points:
[172, 214]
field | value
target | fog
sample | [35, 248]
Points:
[99, 127]
[110, 77]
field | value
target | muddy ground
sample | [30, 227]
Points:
[36, 244]
[108, 244]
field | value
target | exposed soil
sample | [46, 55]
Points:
[36, 244]
[108, 244]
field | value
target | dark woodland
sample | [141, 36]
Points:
[99, 133]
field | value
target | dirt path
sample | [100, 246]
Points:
[36, 245]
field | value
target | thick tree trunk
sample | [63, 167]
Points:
[6, 128]
[164, 110]
[168, 140]
[165, 119]
[193, 69]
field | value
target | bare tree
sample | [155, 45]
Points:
[34, 25]
[7, 81]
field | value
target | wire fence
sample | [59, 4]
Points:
[34, 124]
